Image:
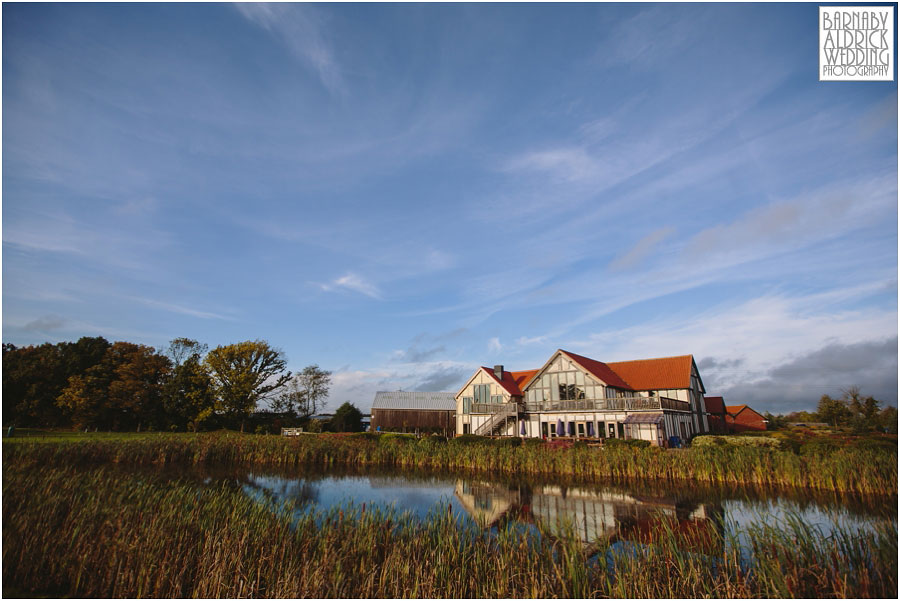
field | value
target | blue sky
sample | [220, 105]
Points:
[401, 193]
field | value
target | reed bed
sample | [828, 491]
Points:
[96, 532]
[849, 470]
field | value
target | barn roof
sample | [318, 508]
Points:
[415, 399]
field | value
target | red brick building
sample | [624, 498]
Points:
[740, 418]
[716, 414]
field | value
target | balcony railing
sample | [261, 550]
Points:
[638, 403]
[610, 404]
[489, 407]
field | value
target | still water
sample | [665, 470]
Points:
[596, 511]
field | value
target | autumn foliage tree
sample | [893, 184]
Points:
[122, 391]
[188, 395]
[244, 374]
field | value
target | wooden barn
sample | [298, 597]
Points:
[414, 411]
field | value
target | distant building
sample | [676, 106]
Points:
[414, 411]
[741, 418]
[716, 414]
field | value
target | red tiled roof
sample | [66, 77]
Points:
[522, 378]
[714, 404]
[508, 382]
[600, 370]
[735, 409]
[655, 374]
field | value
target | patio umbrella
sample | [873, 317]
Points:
[522, 428]
[571, 428]
[560, 429]
[590, 429]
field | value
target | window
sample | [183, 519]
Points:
[465, 428]
[497, 398]
[571, 392]
[467, 404]
[482, 393]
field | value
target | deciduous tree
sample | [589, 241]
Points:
[833, 411]
[244, 374]
[347, 418]
[188, 396]
[304, 393]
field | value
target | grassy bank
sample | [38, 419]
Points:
[91, 532]
[860, 470]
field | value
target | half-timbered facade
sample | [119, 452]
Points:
[575, 396]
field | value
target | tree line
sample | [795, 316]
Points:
[851, 410]
[118, 386]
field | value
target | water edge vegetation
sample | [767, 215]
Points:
[74, 526]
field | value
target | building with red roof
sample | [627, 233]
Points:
[575, 396]
[716, 414]
[741, 418]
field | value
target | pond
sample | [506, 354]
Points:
[612, 510]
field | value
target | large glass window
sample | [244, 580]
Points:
[565, 382]
[482, 393]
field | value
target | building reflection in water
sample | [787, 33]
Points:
[594, 515]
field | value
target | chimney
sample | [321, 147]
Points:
[498, 371]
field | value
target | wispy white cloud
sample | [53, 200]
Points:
[572, 163]
[354, 282]
[174, 308]
[641, 250]
[301, 28]
[494, 345]
[526, 341]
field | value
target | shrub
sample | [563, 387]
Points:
[759, 442]
[396, 438]
[533, 442]
[365, 435]
[707, 441]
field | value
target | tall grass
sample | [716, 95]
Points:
[95, 532]
[846, 470]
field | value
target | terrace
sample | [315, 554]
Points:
[638, 403]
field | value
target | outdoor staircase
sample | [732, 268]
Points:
[498, 420]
